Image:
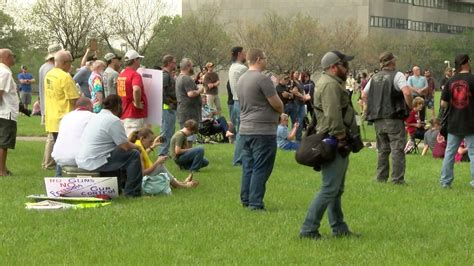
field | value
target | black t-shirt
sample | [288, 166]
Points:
[459, 92]
[169, 91]
[443, 82]
[300, 88]
[280, 89]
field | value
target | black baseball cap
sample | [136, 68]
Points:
[461, 59]
[333, 57]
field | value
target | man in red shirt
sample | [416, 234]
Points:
[130, 89]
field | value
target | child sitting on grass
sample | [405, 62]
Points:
[36, 107]
[146, 141]
[414, 125]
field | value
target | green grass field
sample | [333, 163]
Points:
[415, 224]
[418, 224]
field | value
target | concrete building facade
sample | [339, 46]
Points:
[440, 17]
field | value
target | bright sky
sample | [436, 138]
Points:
[175, 6]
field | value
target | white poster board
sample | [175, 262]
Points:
[153, 84]
[81, 186]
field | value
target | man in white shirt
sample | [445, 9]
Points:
[236, 70]
[104, 147]
[70, 131]
[9, 106]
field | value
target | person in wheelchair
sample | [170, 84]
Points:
[212, 123]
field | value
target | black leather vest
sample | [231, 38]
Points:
[384, 101]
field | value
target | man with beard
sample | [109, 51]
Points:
[333, 111]
[388, 98]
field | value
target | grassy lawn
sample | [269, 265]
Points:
[415, 224]
[30, 126]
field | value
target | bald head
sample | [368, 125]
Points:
[63, 60]
[7, 57]
[416, 70]
[84, 103]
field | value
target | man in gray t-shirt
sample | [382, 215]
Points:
[187, 94]
[260, 108]
[82, 78]
[257, 116]
[109, 78]
[104, 147]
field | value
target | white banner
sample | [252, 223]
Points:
[153, 84]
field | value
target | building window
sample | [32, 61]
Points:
[405, 24]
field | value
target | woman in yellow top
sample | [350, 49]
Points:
[146, 141]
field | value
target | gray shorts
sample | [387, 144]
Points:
[25, 97]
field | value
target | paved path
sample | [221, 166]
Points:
[30, 138]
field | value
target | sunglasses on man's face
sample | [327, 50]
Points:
[344, 64]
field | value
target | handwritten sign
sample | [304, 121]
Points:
[81, 186]
[153, 85]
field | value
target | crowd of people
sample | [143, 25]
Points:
[96, 120]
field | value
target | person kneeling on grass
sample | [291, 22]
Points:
[146, 142]
[182, 152]
[283, 138]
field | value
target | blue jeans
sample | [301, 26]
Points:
[291, 146]
[334, 175]
[130, 162]
[447, 172]
[231, 112]
[301, 113]
[192, 159]
[168, 124]
[238, 146]
[291, 111]
[258, 158]
[223, 124]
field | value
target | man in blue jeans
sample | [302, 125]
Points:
[170, 103]
[260, 108]
[104, 147]
[236, 70]
[330, 99]
[457, 99]
[184, 155]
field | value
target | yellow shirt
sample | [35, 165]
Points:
[59, 90]
[147, 163]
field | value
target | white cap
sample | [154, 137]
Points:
[132, 54]
[52, 50]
